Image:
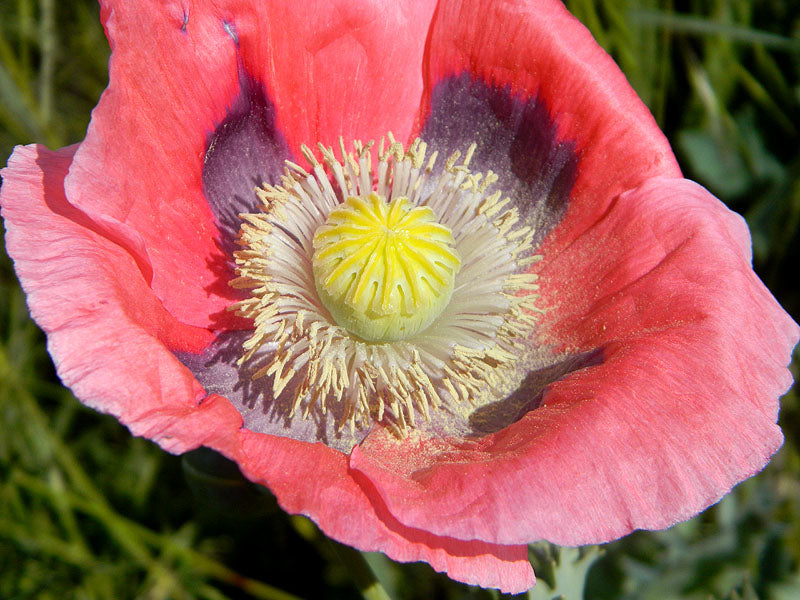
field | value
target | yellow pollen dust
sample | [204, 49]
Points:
[384, 270]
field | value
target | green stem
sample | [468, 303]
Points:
[365, 580]
[561, 572]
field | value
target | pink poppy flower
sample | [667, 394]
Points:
[594, 357]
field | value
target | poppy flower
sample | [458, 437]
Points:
[439, 356]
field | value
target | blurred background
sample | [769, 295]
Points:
[87, 511]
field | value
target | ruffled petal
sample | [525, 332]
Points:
[682, 407]
[553, 93]
[103, 322]
[336, 67]
[314, 480]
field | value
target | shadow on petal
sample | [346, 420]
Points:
[498, 415]
[217, 371]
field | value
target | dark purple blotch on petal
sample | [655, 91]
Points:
[244, 151]
[516, 138]
[216, 369]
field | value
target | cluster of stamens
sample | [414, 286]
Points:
[383, 293]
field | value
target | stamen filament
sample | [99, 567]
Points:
[388, 300]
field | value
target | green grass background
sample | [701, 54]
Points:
[87, 511]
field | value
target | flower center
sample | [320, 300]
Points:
[383, 292]
[384, 271]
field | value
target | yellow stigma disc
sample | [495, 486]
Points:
[385, 271]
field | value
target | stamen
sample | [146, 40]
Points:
[386, 293]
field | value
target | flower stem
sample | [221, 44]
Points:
[561, 572]
[361, 573]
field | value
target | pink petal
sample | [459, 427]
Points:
[683, 406]
[109, 335]
[314, 480]
[537, 50]
[336, 67]
[141, 162]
